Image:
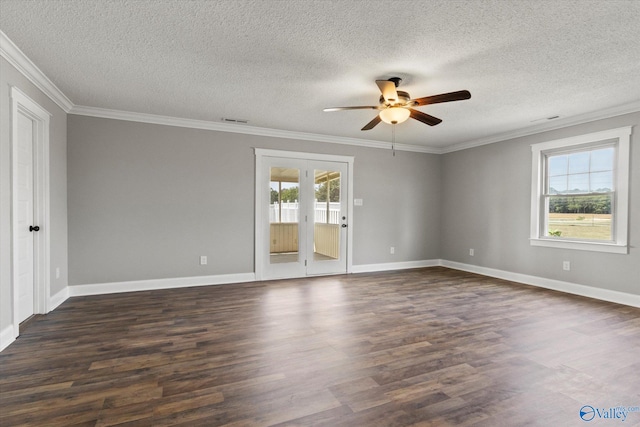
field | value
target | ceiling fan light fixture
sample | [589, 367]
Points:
[394, 115]
[395, 106]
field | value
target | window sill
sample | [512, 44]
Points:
[581, 246]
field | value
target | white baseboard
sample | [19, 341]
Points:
[389, 266]
[58, 298]
[6, 337]
[147, 285]
[623, 298]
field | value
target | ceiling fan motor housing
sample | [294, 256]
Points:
[403, 99]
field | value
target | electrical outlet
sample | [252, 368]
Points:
[472, 252]
[392, 250]
[203, 260]
[566, 265]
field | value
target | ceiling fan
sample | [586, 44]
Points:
[396, 106]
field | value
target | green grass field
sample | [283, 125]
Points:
[581, 226]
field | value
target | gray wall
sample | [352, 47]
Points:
[145, 201]
[486, 206]
[9, 76]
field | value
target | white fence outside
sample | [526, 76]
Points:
[291, 212]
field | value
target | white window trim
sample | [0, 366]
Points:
[621, 209]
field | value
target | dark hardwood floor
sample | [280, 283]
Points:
[425, 347]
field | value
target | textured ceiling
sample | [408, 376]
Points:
[277, 64]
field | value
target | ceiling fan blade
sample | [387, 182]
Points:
[372, 123]
[444, 97]
[388, 89]
[359, 107]
[424, 118]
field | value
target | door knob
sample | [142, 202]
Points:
[344, 225]
[32, 228]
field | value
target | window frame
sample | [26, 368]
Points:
[620, 139]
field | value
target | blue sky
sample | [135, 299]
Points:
[584, 171]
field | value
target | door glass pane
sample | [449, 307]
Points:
[326, 215]
[284, 215]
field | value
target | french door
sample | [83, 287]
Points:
[303, 207]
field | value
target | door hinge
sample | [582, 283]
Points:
[305, 262]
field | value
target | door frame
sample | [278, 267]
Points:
[260, 153]
[23, 104]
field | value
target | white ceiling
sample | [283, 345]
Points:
[277, 64]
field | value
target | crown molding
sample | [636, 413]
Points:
[17, 58]
[238, 128]
[619, 110]
[304, 136]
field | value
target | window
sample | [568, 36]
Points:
[579, 192]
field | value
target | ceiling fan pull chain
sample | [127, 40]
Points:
[393, 139]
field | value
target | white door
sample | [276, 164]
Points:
[305, 217]
[283, 216]
[327, 218]
[23, 250]
[30, 206]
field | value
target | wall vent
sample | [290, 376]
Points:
[545, 118]
[228, 120]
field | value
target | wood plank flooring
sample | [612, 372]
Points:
[425, 347]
